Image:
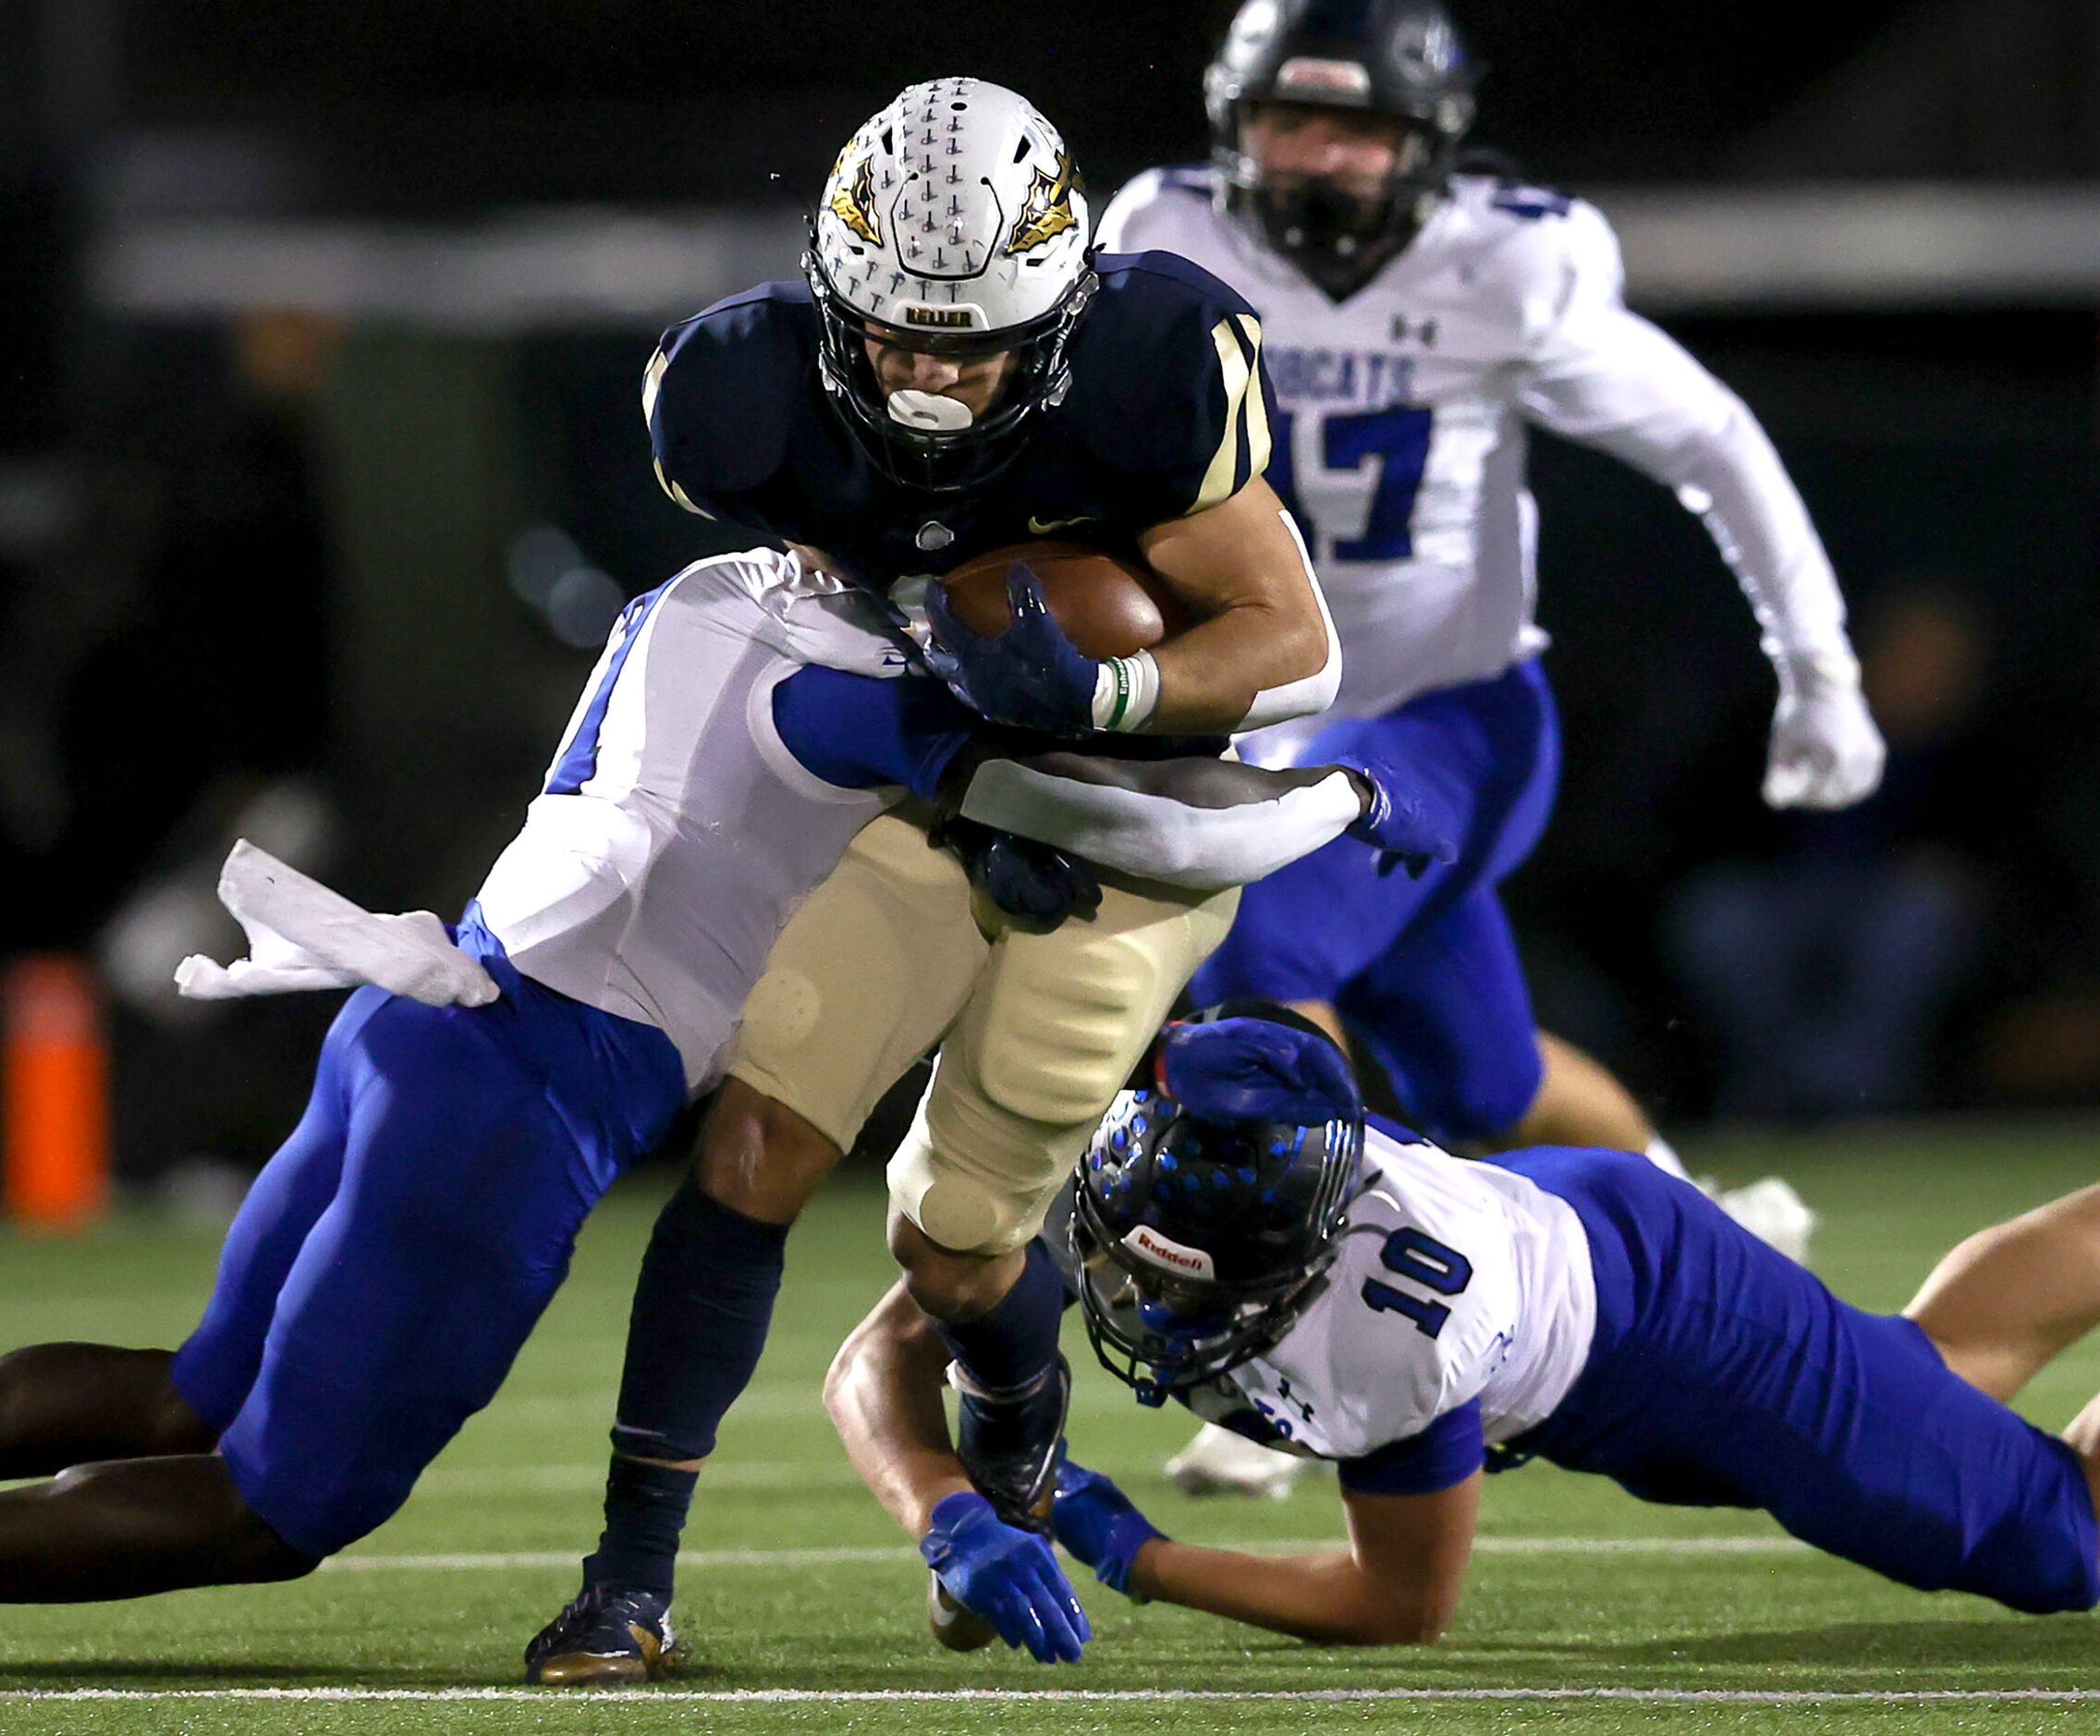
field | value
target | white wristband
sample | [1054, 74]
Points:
[1126, 692]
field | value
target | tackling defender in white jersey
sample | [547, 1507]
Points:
[398, 1249]
[1416, 322]
[1238, 1239]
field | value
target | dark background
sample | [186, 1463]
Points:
[330, 571]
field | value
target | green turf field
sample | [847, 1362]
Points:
[1586, 1611]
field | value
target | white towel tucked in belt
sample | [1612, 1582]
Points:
[303, 935]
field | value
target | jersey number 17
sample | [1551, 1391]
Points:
[1391, 444]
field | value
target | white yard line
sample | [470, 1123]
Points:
[938, 1696]
[849, 1554]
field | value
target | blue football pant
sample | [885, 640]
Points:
[386, 1267]
[1425, 971]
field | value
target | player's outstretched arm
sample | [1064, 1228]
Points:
[1398, 1584]
[1606, 377]
[1263, 648]
[884, 1394]
[1200, 823]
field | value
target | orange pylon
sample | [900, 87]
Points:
[54, 1093]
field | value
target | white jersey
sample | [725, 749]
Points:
[1457, 1280]
[1399, 426]
[678, 833]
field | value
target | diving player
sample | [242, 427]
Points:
[1255, 1252]
[1416, 320]
[957, 373]
[398, 1249]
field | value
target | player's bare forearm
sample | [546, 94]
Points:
[1260, 636]
[1326, 1599]
[884, 1394]
[1397, 1584]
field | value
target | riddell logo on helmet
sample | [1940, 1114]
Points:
[1164, 1251]
[915, 315]
[1322, 77]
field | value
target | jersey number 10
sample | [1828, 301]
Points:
[1425, 1261]
[1394, 443]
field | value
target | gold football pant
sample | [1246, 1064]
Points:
[1037, 1032]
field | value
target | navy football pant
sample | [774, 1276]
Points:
[395, 1255]
[1425, 971]
[1724, 1374]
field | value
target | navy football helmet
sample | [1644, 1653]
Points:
[1199, 1238]
[1401, 58]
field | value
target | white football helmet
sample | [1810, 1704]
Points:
[953, 223]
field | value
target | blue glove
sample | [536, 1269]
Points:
[1031, 676]
[1021, 876]
[1096, 1522]
[1405, 825]
[1248, 1069]
[1010, 1577]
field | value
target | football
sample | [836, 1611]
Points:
[957, 1629]
[1109, 607]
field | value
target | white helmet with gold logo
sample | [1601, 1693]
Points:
[953, 222]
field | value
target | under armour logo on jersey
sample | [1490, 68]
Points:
[1301, 1406]
[1408, 331]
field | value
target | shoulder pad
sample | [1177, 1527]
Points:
[1535, 253]
[721, 388]
[1168, 384]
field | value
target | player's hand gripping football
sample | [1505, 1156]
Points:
[1252, 1069]
[1098, 1525]
[1007, 1576]
[1031, 676]
[1825, 752]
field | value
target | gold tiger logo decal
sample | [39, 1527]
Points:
[854, 204]
[1048, 210]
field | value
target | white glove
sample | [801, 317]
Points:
[1825, 752]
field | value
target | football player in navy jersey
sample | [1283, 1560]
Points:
[1419, 319]
[955, 373]
[1239, 1240]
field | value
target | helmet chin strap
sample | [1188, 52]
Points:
[929, 412]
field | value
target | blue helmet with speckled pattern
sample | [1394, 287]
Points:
[1199, 1241]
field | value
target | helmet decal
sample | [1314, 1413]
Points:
[853, 202]
[1048, 210]
[1169, 1255]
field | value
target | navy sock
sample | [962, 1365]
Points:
[645, 1513]
[1018, 1339]
[702, 1307]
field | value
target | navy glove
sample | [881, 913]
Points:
[1405, 825]
[1031, 675]
[1096, 1522]
[1024, 878]
[1010, 1577]
[1248, 1069]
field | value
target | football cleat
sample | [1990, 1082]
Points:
[608, 1637]
[1220, 1462]
[955, 1625]
[1770, 1210]
[1010, 1442]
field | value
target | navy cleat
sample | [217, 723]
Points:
[608, 1637]
[1010, 1442]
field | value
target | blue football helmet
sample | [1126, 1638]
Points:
[1200, 1236]
[1402, 58]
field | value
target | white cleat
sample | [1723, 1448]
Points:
[1771, 1211]
[1220, 1462]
